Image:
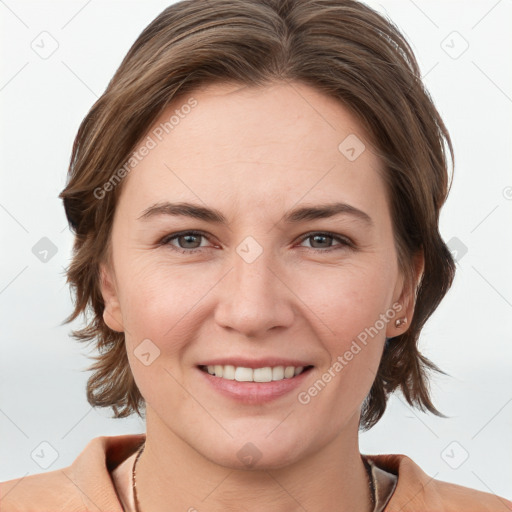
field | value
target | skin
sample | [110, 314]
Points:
[253, 154]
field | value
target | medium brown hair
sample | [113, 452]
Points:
[341, 48]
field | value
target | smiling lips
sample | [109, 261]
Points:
[245, 374]
[254, 381]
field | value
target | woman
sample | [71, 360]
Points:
[256, 199]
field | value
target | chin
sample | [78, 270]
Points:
[255, 456]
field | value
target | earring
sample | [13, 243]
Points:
[400, 321]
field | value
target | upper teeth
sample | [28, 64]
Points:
[243, 374]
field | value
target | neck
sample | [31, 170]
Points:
[172, 477]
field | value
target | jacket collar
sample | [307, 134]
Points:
[415, 490]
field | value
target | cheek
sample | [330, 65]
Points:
[348, 303]
[346, 300]
[161, 304]
[159, 301]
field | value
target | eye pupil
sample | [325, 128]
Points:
[324, 237]
[190, 239]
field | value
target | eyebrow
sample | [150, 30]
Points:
[300, 214]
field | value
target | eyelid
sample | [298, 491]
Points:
[172, 236]
[344, 242]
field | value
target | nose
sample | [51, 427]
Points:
[255, 297]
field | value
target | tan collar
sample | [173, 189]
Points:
[87, 484]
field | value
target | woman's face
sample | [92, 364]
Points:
[259, 284]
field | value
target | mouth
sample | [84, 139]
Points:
[255, 383]
[264, 374]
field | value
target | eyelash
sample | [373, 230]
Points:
[344, 242]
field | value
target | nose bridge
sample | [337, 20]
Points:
[253, 268]
[256, 300]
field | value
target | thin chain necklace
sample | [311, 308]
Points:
[134, 487]
[141, 449]
[371, 481]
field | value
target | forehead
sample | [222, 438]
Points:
[258, 146]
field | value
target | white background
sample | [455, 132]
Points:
[42, 377]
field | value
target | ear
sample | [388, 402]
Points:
[407, 298]
[112, 312]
